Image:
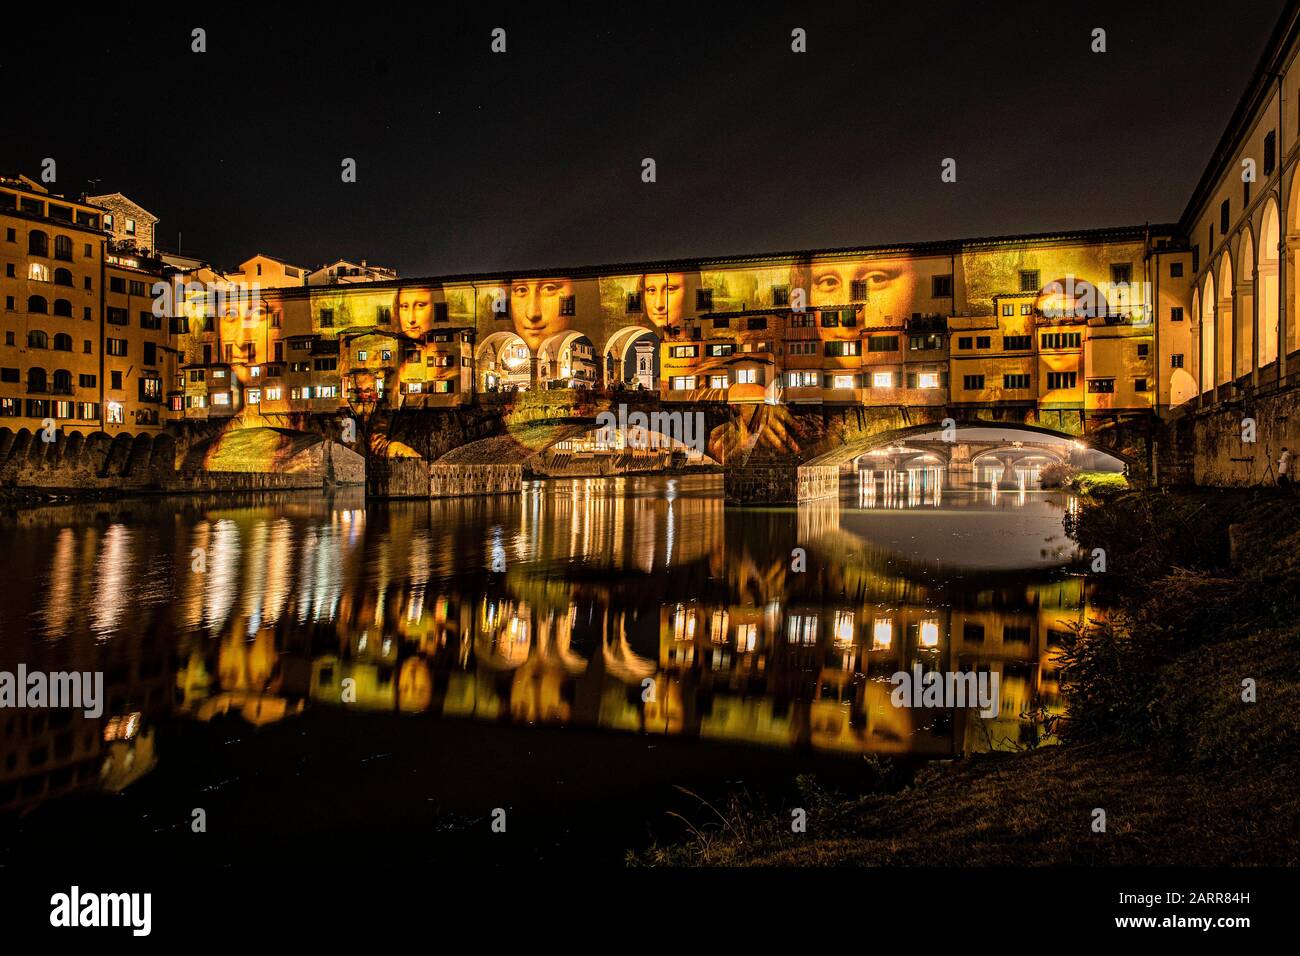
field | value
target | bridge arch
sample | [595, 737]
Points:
[1224, 321]
[1290, 336]
[853, 450]
[1206, 368]
[615, 357]
[502, 361]
[1243, 348]
[568, 356]
[1267, 284]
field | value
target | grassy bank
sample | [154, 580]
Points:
[1206, 587]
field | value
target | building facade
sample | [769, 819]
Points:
[1074, 325]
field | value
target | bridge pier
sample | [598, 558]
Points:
[1008, 481]
[773, 482]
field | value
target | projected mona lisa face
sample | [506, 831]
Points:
[662, 295]
[537, 308]
[889, 285]
[414, 311]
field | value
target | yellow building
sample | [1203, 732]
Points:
[137, 356]
[52, 255]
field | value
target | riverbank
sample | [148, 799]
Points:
[1206, 587]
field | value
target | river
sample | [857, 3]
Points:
[624, 610]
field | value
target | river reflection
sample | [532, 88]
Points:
[634, 604]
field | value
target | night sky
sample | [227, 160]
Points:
[470, 161]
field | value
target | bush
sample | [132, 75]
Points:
[1056, 475]
[1099, 485]
[1165, 668]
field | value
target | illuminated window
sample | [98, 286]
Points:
[929, 633]
[38, 272]
[683, 624]
[882, 634]
[274, 394]
[221, 398]
[682, 383]
[718, 381]
[842, 381]
[746, 637]
[882, 379]
[927, 380]
[115, 416]
[254, 396]
[745, 376]
[844, 627]
[802, 629]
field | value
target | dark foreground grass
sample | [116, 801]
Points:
[1207, 594]
[1027, 809]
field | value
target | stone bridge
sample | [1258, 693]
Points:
[775, 453]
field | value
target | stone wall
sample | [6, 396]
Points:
[398, 478]
[142, 463]
[762, 482]
[453, 481]
[818, 481]
[1208, 446]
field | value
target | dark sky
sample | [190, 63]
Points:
[469, 161]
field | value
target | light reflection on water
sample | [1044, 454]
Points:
[635, 604]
